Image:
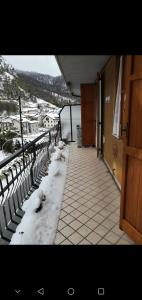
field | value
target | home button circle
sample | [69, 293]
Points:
[70, 291]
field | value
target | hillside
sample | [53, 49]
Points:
[30, 86]
[49, 88]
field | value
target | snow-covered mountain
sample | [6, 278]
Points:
[47, 87]
[30, 86]
[9, 88]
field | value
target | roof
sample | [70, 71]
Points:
[9, 100]
[33, 121]
[78, 69]
[30, 109]
[31, 115]
[52, 116]
[6, 120]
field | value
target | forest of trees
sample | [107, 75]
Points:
[8, 107]
[42, 86]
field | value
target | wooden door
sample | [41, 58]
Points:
[131, 198]
[88, 114]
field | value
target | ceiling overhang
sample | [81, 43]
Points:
[78, 69]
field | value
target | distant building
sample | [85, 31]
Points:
[16, 124]
[50, 120]
[29, 127]
[5, 124]
[33, 126]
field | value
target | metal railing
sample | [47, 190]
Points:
[22, 172]
[20, 175]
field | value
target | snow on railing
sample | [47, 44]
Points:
[20, 175]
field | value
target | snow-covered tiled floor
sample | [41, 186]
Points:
[91, 205]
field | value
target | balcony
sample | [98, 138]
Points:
[90, 207]
[91, 204]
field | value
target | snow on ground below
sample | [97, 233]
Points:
[31, 137]
[40, 228]
[41, 101]
[28, 138]
[9, 75]
[2, 155]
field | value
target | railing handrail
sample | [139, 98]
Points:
[74, 104]
[5, 161]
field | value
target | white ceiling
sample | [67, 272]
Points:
[78, 69]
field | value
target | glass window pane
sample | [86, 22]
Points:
[76, 119]
[65, 123]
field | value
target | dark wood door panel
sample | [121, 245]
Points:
[131, 203]
[135, 123]
[88, 114]
[87, 139]
[137, 64]
[131, 196]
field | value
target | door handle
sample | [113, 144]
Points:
[125, 129]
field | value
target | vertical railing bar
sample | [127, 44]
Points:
[11, 217]
[11, 174]
[1, 185]
[28, 184]
[12, 190]
[16, 184]
[5, 219]
[6, 223]
[20, 182]
[71, 123]
[60, 125]
[12, 199]
[14, 193]
[21, 128]
[32, 167]
[25, 180]
[7, 185]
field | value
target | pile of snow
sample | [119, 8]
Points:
[41, 101]
[34, 203]
[61, 145]
[40, 227]
[11, 77]
[58, 155]
[21, 89]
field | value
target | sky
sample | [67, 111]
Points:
[45, 64]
